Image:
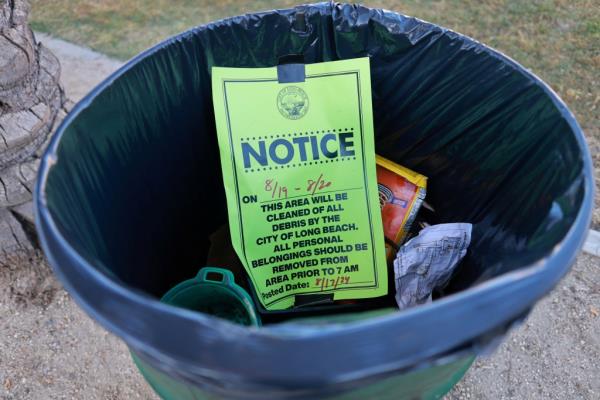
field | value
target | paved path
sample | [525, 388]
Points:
[81, 68]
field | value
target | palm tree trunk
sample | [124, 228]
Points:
[31, 102]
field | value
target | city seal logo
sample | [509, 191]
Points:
[292, 102]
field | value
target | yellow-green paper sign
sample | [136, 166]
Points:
[298, 164]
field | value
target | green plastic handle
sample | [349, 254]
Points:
[227, 277]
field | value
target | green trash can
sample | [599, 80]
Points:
[130, 189]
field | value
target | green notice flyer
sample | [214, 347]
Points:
[298, 164]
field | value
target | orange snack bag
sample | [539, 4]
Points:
[401, 193]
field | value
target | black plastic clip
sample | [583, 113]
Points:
[291, 69]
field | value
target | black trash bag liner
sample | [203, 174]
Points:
[130, 188]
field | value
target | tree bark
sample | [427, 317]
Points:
[31, 102]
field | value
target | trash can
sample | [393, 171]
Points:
[130, 188]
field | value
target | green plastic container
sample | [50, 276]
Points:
[214, 291]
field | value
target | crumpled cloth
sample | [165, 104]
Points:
[427, 261]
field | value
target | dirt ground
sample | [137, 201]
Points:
[49, 349]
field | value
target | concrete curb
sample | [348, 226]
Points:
[82, 68]
[592, 243]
